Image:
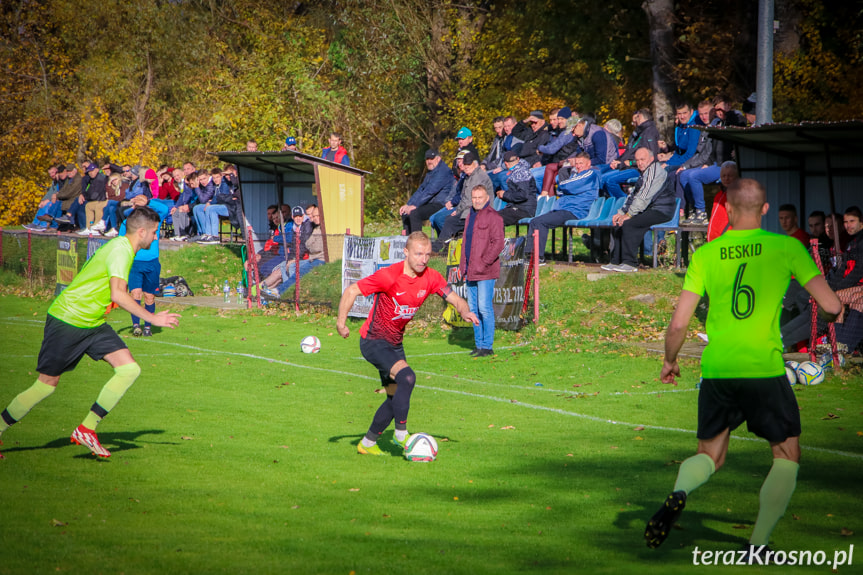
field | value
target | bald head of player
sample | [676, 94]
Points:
[141, 227]
[417, 253]
[747, 203]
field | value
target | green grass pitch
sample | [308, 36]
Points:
[234, 452]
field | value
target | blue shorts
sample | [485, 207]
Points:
[145, 276]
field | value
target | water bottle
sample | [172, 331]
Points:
[227, 291]
[240, 293]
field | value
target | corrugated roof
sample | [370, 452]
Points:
[796, 139]
[273, 162]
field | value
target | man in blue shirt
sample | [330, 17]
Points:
[430, 196]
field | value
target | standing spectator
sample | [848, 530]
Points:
[789, 223]
[290, 144]
[577, 194]
[520, 192]
[651, 202]
[430, 196]
[480, 266]
[454, 222]
[251, 146]
[336, 152]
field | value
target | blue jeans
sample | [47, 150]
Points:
[79, 215]
[438, 218]
[289, 277]
[53, 209]
[109, 215]
[202, 215]
[213, 213]
[692, 181]
[480, 299]
[611, 181]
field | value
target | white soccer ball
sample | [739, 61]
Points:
[791, 374]
[420, 447]
[792, 364]
[310, 344]
[826, 360]
[810, 373]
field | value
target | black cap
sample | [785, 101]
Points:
[469, 158]
[431, 154]
[509, 156]
[538, 114]
[298, 211]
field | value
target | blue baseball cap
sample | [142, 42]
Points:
[290, 141]
[463, 133]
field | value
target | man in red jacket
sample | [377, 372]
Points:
[480, 266]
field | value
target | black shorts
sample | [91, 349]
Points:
[767, 405]
[64, 345]
[383, 355]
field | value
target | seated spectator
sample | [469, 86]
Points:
[719, 217]
[789, 224]
[93, 199]
[556, 124]
[430, 196]
[494, 159]
[50, 206]
[209, 207]
[297, 230]
[511, 141]
[536, 137]
[702, 168]
[114, 192]
[206, 192]
[725, 115]
[615, 128]
[251, 146]
[438, 218]
[846, 279]
[520, 193]
[623, 168]
[290, 144]
[464, 137]
[685, 137]
[275, 249]
[68, 195]
[558, 150]
[651, 202]
[168, 189]
[454, 222]
[336, 152]
[181, 213]
[596, 142]
[311, 252]
[574, 202]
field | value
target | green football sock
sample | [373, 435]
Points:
[124, 377]
[775, 494]
[23, 403]
[694, 472]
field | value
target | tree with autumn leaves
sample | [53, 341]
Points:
[150, 82]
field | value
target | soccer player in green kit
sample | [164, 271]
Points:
[745, 272]
[76, 325]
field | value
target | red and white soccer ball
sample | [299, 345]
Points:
[420, 447]
[310, 344]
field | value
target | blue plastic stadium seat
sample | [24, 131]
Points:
[670, 225]
[498, 204]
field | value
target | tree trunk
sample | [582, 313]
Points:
[660, 18]
[787, 38]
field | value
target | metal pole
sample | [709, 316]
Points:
[764, 71]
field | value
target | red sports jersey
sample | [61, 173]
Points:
[397, 299]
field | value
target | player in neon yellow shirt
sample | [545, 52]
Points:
[76, 326]
[746, 272]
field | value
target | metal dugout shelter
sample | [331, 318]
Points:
[298, 179]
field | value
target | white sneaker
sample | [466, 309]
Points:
[84, 232]
[112, 233]
[609, 267]
[99, 227]
[626, 268]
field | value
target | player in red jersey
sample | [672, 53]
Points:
[399, 291]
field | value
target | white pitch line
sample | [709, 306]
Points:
[451, 352]
[501, 399]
